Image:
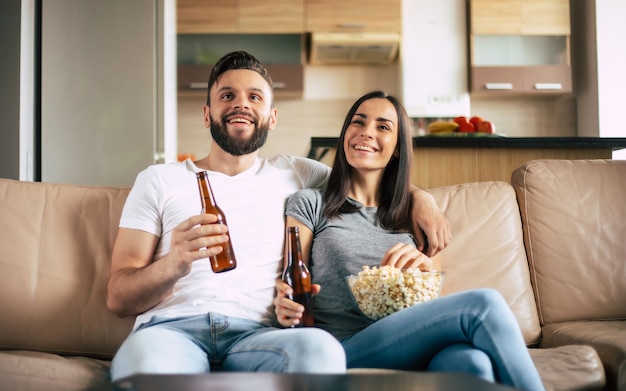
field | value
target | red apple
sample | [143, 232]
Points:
[466, 127]
[460, 120]
[475, 120]
[486, 127]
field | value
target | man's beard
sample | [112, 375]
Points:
[237, 146]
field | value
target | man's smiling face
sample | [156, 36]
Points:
[241, 113]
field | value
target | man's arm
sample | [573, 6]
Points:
[428, 219]
[136, 283]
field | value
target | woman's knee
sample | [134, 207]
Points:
[486, 303]
[463, 358]
[488, 296]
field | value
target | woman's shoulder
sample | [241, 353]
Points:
[309, 200]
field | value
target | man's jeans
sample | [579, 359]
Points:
[473, 332]
[214, 342]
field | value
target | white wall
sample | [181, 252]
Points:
[434, 58]
[611, 54]
[610, 33]
[599, 63]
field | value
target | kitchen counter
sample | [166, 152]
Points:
[321, 145]
[442, 161]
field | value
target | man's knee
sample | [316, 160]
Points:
[315, 351]
[157, 350]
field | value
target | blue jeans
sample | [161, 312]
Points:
[473, 332]
[215, 342]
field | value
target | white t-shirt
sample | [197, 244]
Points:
[166, 194]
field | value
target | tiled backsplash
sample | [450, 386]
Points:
[529, 117]
[299, 120]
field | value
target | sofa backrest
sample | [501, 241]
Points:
[55, 251]
[56, 246]
[574, 220]
[487, 249]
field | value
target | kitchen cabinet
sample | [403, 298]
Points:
[353, 15]
[520, 47]
[282, 55]
[239, 16]
[208, 29]
[288, 80]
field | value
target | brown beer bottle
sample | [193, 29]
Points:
[298, 277]
[225, 260]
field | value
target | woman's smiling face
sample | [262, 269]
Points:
[372, 136]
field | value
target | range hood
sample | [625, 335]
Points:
[353, 48]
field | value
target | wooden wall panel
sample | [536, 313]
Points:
[436, 167]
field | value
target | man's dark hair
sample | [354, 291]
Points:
[236, 60]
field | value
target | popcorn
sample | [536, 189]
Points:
[381, 291]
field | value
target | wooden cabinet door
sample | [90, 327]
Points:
[544, 79]
[288, 80]
[541, 17]
[493, 17]
[239, 16]
[500, 80]
[548, 79]
[526, 17]
[278, 16]
[353, 15]
[206, 16]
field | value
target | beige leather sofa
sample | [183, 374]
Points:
[561, 265]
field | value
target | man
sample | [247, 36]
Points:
[189, 319]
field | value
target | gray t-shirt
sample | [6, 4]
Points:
[341, 247]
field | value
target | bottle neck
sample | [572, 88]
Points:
[293, 246]
[206, 193]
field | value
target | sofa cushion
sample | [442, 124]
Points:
[574, 218]
[608, 338]
[35, 371]
[55, 252]
[570, 367]
[487, 248]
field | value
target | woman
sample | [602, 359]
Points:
[361, 219]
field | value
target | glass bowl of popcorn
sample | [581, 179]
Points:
[381, 291]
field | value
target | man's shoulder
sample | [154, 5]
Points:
[165, 168]
[163, 173]
[290, 161]
[312, 172]
[311, 194]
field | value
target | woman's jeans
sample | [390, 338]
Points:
[213, 342]
[473, 332]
